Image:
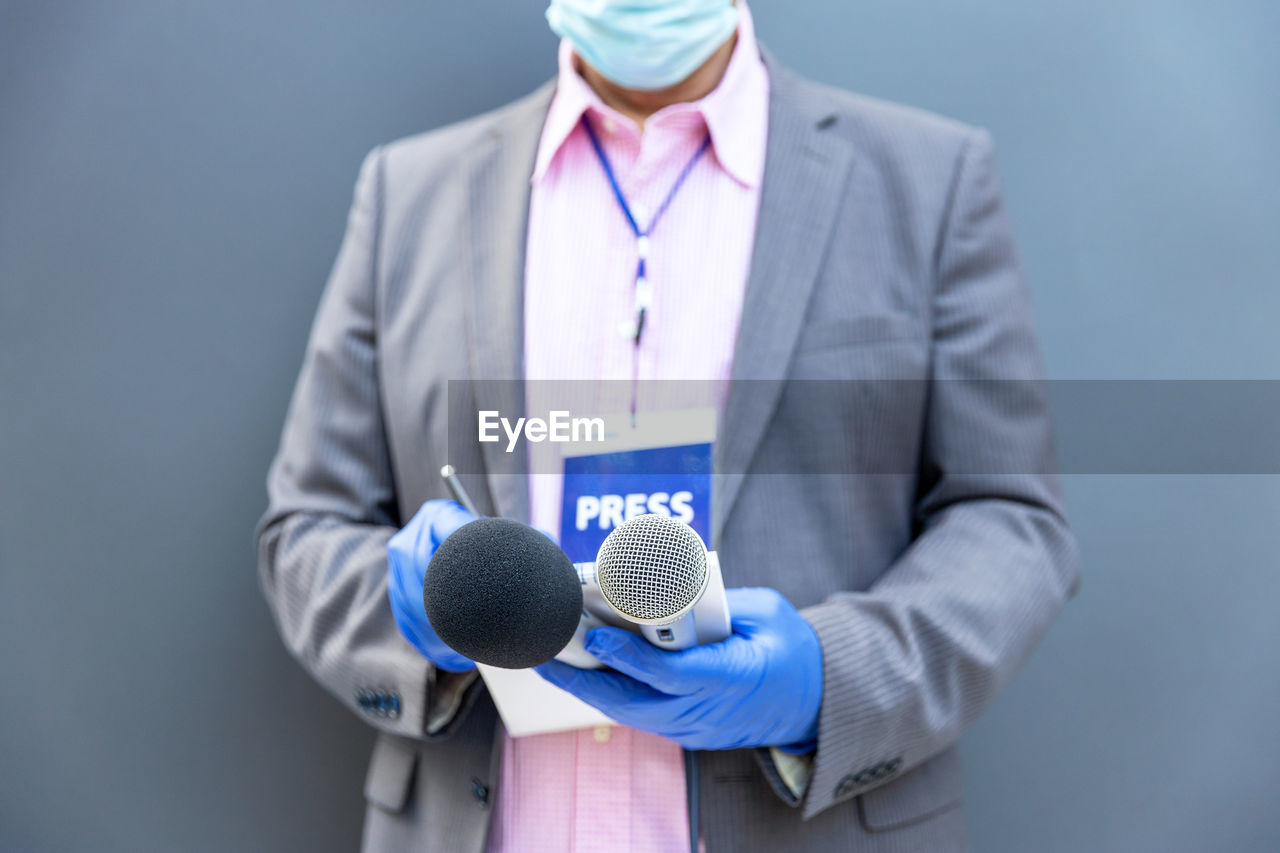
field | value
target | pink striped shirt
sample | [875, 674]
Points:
[617, 789]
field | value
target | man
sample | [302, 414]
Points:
[786, 232]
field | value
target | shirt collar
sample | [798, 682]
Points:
[735, 111]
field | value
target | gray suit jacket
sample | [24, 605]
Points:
[883, 253]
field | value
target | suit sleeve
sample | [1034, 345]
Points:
[910, 663]
[322, 555]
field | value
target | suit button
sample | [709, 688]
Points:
[480, 791]
[846, 786]
[895, 765]
[380, 703]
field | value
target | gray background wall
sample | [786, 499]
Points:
[173, 185]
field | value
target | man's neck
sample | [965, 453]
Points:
[638, 105]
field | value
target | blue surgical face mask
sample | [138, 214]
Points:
[644, 44]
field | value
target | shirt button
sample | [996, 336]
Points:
[610, 126]
[602, 734]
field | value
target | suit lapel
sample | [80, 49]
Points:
[805, 175]
[497, 218]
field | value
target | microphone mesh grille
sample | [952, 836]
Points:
[651, 567]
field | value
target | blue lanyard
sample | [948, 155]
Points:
[643, 291]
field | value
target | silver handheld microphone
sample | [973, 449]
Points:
[653, 576]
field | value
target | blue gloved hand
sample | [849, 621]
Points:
[408, 553]
[760, 687]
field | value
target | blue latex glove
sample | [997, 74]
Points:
[408, 553]
[760, 687]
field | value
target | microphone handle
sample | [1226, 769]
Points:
[674, 636]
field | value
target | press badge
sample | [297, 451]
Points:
[658, 462]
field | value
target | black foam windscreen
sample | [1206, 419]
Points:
[502, 593]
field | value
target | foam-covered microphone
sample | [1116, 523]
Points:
[503, 594]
